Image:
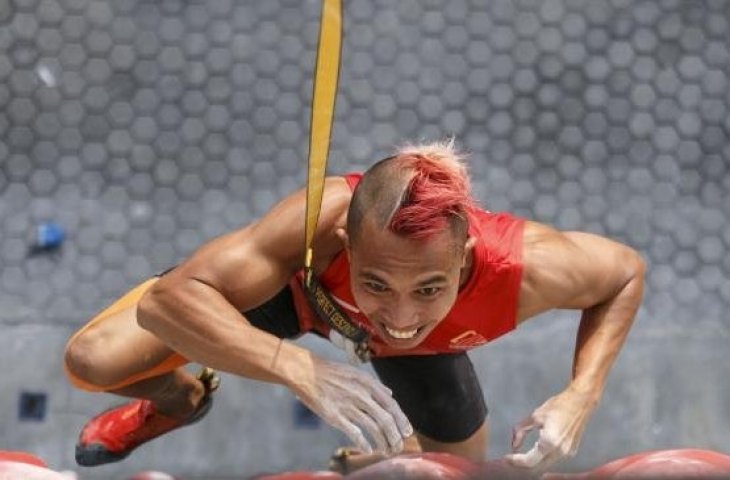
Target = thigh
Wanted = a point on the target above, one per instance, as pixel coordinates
(112, 347)
(440, 394)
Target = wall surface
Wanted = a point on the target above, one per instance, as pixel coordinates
(144, 128)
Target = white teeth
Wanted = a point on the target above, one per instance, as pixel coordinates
(403, 334)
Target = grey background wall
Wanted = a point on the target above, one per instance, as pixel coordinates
(144, 128)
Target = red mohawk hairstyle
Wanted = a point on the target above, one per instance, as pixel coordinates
(418, 192)
(437, 194)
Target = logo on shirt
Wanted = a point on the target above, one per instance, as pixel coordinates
(468, 339)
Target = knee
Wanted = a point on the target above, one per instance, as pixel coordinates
(86, 362)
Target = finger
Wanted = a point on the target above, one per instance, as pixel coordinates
(522, 429)
(354, 433)
(548, 459)
(384, 396)
(391, 406)
(552, 451)
(361, 418)
(525, 460)
(543, 454)
(384, 420)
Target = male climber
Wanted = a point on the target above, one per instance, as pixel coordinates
(413, 262)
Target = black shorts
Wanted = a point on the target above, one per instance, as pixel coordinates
(440, 394)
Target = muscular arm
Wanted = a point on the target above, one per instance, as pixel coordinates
(195, 308)
(603, 278)
(605, 325)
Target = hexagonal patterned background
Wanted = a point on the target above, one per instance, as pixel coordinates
(145, 128)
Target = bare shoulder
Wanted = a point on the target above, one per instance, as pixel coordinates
(280, 232)
(571, 269)
(335, 204)
(271, 248)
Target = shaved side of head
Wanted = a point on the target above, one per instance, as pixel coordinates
(420, 191)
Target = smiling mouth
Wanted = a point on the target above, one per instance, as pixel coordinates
(403, 334)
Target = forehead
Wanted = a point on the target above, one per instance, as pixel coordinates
(379, 248)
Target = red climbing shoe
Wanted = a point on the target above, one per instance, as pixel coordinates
(112, 435)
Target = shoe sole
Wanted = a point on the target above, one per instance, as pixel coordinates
(96, 454)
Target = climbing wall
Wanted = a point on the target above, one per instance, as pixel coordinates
(132, 131)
